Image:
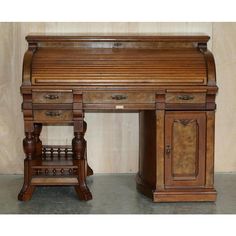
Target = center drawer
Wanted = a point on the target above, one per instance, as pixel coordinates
(118, 97)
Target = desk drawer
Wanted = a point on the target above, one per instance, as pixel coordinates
(185, 98)
(52, 97)
(53, 115)
(118, 97)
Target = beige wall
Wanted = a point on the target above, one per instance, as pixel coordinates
(224, 49)
(111, 148)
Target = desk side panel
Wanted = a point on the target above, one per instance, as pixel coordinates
(147, 154)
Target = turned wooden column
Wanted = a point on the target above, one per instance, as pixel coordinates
(79, 147)
(38, 142)
(29, 145)
(29, 149)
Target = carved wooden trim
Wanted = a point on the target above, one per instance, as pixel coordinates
(211, 70)
(27, 106)
(27, 61)
(210, 101)
(32, 39)
(185, 122)
(160, 99)
(202, 46)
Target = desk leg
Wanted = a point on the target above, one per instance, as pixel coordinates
(38, 142)
(29, 149)
(79, 150)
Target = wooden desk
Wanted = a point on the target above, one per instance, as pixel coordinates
(169, 80)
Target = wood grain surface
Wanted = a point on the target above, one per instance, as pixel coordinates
(103, 138)
(118, 65)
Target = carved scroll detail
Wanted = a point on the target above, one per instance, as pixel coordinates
(185, 121)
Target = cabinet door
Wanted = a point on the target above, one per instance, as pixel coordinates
(185, 143)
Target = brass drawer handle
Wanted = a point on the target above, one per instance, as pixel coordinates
(51, 96)
(119, 97)
(52, 113)
(185, 97)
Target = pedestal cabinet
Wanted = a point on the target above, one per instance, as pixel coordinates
(168, 79)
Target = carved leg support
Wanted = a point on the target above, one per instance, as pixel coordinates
(89, 169)
(29, 149)
(79, 151)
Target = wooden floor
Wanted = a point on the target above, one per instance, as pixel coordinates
(113, 194)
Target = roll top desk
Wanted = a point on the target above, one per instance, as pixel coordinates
(170, 80)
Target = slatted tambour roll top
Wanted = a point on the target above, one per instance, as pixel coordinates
(118, 60)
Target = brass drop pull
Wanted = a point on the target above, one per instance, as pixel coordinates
(185, 97)
(51, 96)
(168, 149)
(118, 97)
(52, 113)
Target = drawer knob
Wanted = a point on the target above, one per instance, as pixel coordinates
(168, 150)
(52, 113)
(51, 96)
(185, 97)
(118, 97)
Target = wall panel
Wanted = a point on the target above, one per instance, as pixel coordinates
(224, 49)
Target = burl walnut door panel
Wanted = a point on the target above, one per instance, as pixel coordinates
(185, 149)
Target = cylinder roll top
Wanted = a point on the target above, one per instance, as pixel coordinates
(119, 60)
